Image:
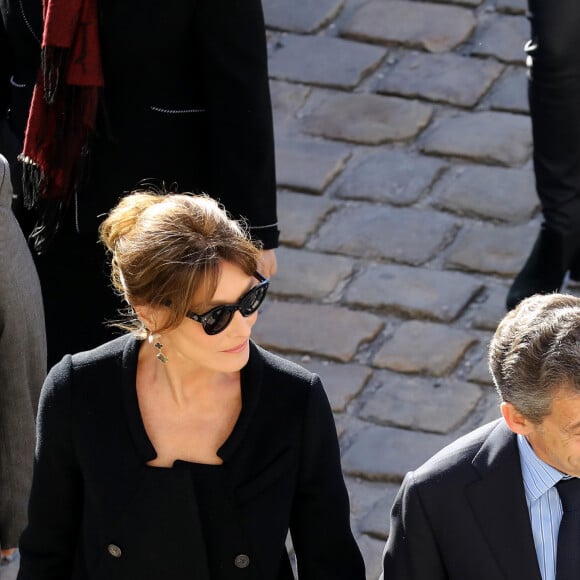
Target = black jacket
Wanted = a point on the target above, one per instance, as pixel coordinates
(98, 511)
(463, 514)
(186, 103)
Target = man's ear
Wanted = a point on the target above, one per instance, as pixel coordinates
(515, 420)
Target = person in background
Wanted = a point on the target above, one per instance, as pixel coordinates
(554, 97)
(117, 80)
(182, 449)
(504, 500)
(22, 368)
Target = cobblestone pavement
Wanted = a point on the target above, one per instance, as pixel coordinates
(407, 205)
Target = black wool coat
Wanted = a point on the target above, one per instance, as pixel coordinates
(98, 512)
(186, 103)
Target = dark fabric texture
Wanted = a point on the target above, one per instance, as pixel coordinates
(568, 554)
(554, 96)
(93, 491)
(463, 514)
(186, 103)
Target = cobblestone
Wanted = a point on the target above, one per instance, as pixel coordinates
(413, 292)
(489, 192)
(367, 119)
(388, 176)
(502, 138)
(445, 78)
(420, 403)
(308, 165)
(310, 17)
(407, 204)
(510, 93)
(300, 216)
(424, 347)
(502, 37)
(433, 27)
(378, 232)
(386, 453)
(323, 61)
(497, 250)
(309, 275)
(319, 329)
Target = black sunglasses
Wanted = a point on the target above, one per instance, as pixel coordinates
(217, 319)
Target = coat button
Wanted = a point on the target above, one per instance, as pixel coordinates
(114, 550)
(241, 561)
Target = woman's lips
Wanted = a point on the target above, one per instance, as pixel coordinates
(238, 348)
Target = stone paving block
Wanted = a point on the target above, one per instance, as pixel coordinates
(377, 521)
(316, 329)
(512, 6)
(300, 15)
(480, 373)
(364, 494)
(503, 37)
(473, 3)
(424, 347)
(308, 165)
(490, 409)
(386, 453)
(371, 550)
(367, 119)
(299, 215)
(489, 313)
(431, 27)
(447, 78)
(510, 92)
(484, 137)
(413, 292)
(378, 232)
(287, 98)
(322, 60)
(419, 403)
(309, 275)
(489, 192)
(342, 382)
(492, 249)
(386, 175)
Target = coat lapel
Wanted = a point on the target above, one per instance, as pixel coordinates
(499, 505)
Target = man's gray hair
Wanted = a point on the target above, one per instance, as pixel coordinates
(535, 351)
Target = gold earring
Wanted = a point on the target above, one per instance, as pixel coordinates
(159, 347)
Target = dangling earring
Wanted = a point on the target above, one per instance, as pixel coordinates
(159, 347)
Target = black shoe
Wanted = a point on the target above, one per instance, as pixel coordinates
(546, 266)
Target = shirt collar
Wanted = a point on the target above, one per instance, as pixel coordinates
(538, 476)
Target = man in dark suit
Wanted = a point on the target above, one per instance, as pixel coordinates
(487, 507)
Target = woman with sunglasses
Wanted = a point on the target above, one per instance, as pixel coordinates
(183, 450)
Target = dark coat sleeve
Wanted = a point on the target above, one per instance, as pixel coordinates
(49, 542)
(240, 134)
(411, 556)
(320, 520)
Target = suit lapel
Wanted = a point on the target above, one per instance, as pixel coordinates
(499, 504)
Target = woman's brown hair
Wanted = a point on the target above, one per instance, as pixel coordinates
(167, 249)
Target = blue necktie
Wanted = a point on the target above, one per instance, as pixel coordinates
(568, 554)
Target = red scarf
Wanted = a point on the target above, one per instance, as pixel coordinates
(63, 110)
